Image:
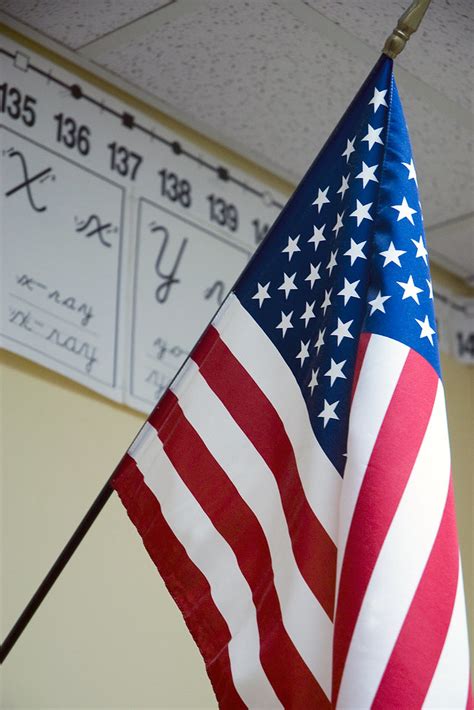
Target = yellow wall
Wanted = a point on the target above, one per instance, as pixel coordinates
(108, 634)
(459, 386)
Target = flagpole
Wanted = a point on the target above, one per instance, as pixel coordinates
(62, 560)
(406, 26)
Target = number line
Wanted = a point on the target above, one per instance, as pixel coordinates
(222, 237)
(150, 132)
(72, 89)
(449, 301)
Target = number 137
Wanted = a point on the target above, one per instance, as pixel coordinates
(124, 161)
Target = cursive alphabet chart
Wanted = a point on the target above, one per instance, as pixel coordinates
(62, 237)
(119, 240)
(177, 263)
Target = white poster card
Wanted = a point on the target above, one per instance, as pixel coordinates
(61, 266)
(119, 241)
(463, 330)
(182, 273)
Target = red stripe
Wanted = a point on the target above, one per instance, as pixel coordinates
(315, 552)
(291, 679)
(162, 410)
(388, 471)
(361, 350)
(187, 585)
(469, 702)
(416, 653)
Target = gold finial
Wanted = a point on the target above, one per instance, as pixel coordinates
(406, 26)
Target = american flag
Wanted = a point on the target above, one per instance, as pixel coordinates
(293, 485)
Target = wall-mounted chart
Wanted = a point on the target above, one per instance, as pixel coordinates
(119, 241)
(62, 226)
(182, 273)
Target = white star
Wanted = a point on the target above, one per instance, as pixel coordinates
(367, 174)
(313, 274)
(376, 304)
(378, 99)
(430, 288)
(349, 290)
(355, 252)
(262, 294)
(361, 212)
(292, 247)
(308, 314)
(288, 284)
(426, 329)
(420, 249)
(335, 371)
(373, 136)
(410, 290)
(404, 211)
(321, 198)
(349, 149)
(342, 330)
(318, 236)
(392, 255)
(411, 171)
(327, 300)
(344, 186)
(303, 353)
(338, 224)
(329, 412)
(320, 341)
(285, 323)
(332, 262)
(314, 380)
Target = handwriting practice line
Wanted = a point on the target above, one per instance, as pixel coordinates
(53, 315)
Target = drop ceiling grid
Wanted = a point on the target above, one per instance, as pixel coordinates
(264, 80)
(75, 23)
(442, 152)
(442, 54)
(254, 73)
(452, 246)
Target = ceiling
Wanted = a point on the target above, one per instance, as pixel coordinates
(271, 78)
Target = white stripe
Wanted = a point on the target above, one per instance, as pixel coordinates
(216, 560)
(257, 354)
(303, 617)
(400, 565)
(383, 362)
(450, 684)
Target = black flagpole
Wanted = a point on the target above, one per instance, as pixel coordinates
(62, 560)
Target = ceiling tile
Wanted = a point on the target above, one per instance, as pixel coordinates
(443, 155)
(452, 246)
(76, 23)
(263, 79)
(441, 53)
(274, 86)
(250, 71)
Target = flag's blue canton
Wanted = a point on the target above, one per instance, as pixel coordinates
(347, 254)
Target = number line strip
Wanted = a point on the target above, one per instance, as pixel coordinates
(193, 223)
(222, 173)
